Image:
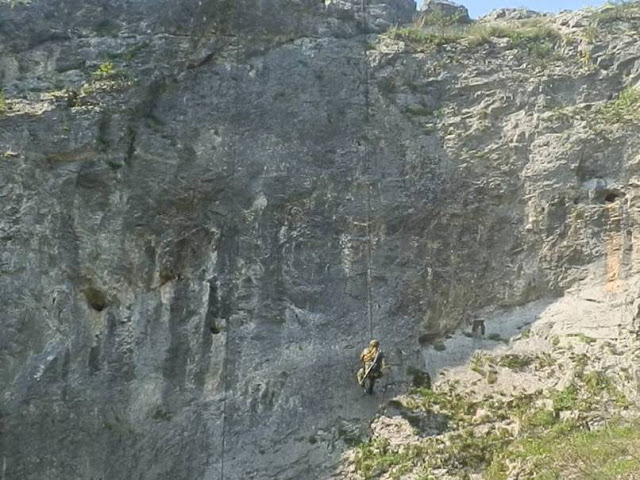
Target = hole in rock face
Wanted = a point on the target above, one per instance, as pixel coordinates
(419, 378)
(96, 299)
(427, 338)
(167, 275)
(611, 197)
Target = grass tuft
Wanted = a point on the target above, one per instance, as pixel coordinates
(534, 37)
(420, 39)
(515, 362)
(531, 36)
(624, 109)
(570, 452)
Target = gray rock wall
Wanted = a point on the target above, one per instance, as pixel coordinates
(202, 202)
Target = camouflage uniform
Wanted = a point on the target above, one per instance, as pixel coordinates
(367, 357)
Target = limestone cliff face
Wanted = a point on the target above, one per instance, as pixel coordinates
(209, 207)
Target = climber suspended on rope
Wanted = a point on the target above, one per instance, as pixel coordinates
(374, 364)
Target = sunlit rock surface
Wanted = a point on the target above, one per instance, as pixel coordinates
(208, 208)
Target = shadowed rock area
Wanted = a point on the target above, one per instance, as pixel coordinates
(208, 208)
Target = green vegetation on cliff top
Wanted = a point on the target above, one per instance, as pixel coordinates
(533, 36)
(537, 36)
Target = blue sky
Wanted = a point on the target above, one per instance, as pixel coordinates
(478, 8)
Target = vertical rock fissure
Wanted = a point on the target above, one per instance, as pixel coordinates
(613, 247)
(213, 307)
(225, 310)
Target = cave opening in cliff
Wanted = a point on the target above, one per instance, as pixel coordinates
(96, 299)
(611, 197)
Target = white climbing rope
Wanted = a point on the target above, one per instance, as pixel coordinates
(367, 165)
